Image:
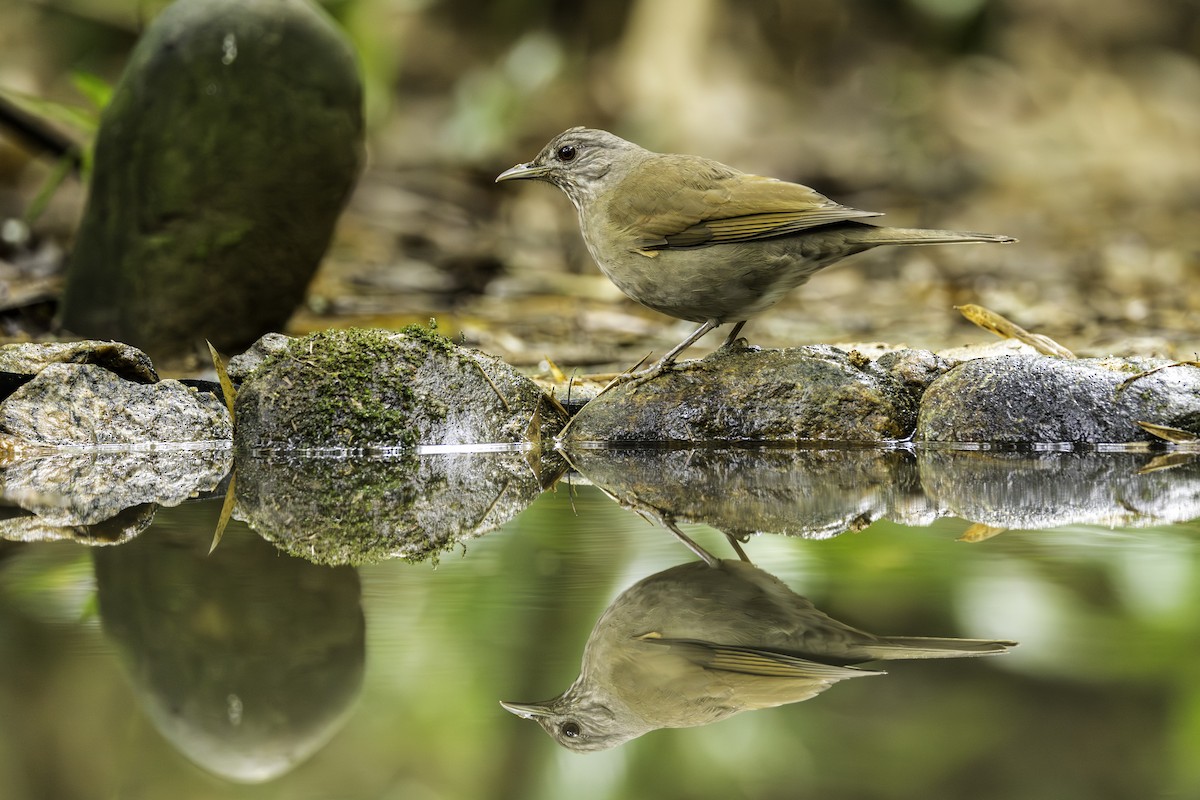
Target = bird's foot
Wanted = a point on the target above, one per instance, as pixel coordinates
(632, 376)
(733, 345)
(637, 376)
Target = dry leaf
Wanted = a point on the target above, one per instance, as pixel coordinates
(556, 374)
(1141, 375)
(991, 321)
(222, 377)
(1167, 433)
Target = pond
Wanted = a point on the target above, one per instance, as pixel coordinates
(145, 667)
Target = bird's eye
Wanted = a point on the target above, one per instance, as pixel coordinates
(570, 729)
(566, 152)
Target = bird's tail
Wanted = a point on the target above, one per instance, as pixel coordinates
(897, 647)
(875, 235)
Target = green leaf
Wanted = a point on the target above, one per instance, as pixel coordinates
(97, 90)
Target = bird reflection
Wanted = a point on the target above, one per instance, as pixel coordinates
(700, 642)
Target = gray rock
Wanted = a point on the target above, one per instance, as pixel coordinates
(766, 395)
(231, 143)
(241, 365)
(30, 358)
(86, 405)
(1029, 399)
(371, 389)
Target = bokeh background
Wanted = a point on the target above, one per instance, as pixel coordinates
(1072, 125)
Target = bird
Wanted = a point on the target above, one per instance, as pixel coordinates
(698, 240)
(700, 642)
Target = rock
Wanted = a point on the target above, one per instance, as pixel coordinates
(369, 389)
(1031, 399)
(231, 143)
(766, 395)
(125, 361)
(85, 405)
(408, 397)
(241, 365)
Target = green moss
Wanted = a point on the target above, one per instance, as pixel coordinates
(361, 388)
(432, 338)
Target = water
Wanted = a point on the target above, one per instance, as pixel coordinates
(151, 669)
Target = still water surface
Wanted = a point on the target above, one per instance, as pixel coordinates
(151, 669)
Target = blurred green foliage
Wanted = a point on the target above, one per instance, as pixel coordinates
(83, 119)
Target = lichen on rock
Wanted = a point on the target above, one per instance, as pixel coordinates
(368, 389)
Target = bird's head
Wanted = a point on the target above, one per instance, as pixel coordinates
(581, 162)
(580, 721)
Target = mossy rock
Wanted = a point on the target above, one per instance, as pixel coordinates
(363, 389)
(229, 148)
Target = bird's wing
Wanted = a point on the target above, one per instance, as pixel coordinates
(752, 661)
(684, 201)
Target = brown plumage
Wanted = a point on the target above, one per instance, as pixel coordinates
(701, 241)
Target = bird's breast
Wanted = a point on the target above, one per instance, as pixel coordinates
(728, 282)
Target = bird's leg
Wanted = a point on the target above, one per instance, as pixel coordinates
(664, 363)
(737, 547)
(733, 335)
(688, 542)
(674, 352)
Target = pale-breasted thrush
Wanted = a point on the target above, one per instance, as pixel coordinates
(697, 240)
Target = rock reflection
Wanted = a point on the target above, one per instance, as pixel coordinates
(339, 511)
(695, 644)
(810, 492)
(105, 497)
(1051, 489)
(822, 492)
(353, 510)
(246, 662)
(19, 525)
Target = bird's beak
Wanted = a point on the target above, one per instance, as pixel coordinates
(525, 710)
(521, 171)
